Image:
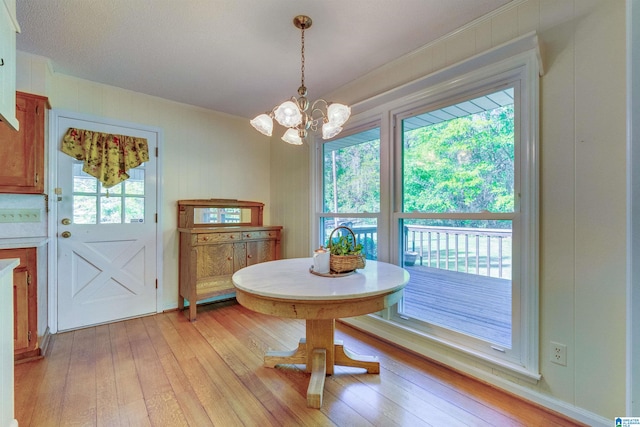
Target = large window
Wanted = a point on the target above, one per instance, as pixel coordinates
(351, 187)
(458, 185)
(454, 201)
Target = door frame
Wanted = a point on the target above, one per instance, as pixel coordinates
(52, 177)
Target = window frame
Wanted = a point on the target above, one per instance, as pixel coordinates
(516, 61)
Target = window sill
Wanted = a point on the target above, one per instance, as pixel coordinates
(470, 362)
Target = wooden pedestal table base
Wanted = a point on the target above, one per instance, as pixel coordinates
(285, 288)
(320, 357)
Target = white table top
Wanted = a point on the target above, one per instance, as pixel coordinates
(291, 279)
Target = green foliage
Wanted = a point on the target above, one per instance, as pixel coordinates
(461, 165)
(344, 245)
(356, 187)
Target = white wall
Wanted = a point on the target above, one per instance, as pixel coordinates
(205, 154)
(582, 239)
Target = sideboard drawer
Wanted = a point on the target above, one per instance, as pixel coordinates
(218, 237)
(260, 234)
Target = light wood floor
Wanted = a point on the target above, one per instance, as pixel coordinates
(164, 371)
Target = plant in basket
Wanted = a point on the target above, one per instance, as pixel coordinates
(346, 253)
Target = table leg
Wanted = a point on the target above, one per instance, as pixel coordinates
(318, 374)
(320, 354)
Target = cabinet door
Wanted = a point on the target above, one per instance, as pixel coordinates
(261, 251)
(20, 310)
(214, 260)
(25, 303)
(22, 152)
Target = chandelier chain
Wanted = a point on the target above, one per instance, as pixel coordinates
(302, 55)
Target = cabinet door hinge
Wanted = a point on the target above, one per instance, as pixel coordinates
(156, 283)
(156, 218)
(156, 151)
(28, 279)
(37, 178)
(29, 336)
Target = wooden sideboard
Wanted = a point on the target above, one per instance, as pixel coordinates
(217, 238)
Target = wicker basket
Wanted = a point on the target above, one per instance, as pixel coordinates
(344, 263)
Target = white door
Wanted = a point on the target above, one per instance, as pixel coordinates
(106, 238)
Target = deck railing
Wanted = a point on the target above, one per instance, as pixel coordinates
(481, 251)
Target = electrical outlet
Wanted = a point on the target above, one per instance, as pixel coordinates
(558, 353)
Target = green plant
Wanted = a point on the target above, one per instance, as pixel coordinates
(344, 245)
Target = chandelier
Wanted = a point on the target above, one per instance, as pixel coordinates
(298, 115)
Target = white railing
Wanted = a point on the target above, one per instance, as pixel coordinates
(481, 251)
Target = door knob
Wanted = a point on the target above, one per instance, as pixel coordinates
(66, 221)
(66, 234)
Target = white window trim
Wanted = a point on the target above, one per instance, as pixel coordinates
(521, 54)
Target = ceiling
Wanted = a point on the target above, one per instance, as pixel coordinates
(240, 57)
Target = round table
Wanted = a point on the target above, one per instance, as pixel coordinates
(286, 288)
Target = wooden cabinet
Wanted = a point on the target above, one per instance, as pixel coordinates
(217, 238)
(22, 152)
(8, 68)
(25, 302)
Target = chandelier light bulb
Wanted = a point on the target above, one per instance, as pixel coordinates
(291, 136)
(338, 114)
(288, 114)
(329, 130)
(263, 124)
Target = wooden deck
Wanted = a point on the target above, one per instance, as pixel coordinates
(479, 306)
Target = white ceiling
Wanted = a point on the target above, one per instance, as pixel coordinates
(240, 57)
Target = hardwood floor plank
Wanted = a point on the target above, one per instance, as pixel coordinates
(265, 384)
(209, 394)
(160, 400)
(31, 375)
(107, 411)
(243, 402)
(49, 396)
(163, 370)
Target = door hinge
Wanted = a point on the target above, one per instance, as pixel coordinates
(156, 151)
(156, 218)
(28, 279)
(37, 178)
(156, 283)
(29, 336)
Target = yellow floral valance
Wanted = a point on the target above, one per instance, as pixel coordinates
(106, 156)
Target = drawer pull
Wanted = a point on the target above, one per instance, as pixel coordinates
(249, 256)
(228, 258)
(205, 238)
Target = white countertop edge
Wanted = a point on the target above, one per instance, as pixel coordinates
(7, 265)
(23, 242)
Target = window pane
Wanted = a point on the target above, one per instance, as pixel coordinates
(84, 209)
(364, 229)
(461, 158)
(460, 276)
(82, 181)
(134, 210)
(115, 190)
(110, 210)
(135, 183)
(351, 168)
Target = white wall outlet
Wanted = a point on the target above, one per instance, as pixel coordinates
(558, 353)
